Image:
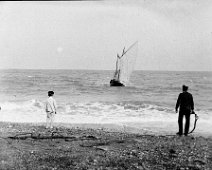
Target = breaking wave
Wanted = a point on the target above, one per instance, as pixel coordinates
(93, 111)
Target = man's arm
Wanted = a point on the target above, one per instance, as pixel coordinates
(178, 103)
(55, 105)
(46, 106)
(192, 103)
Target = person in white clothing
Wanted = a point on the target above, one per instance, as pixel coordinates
(51, 110)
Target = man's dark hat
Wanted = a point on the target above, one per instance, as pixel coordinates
(185, 88)
(50, 92)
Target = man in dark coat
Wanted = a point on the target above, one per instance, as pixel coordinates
(186, 104)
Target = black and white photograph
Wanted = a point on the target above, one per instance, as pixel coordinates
(106, 85)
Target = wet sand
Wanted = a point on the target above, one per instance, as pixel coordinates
(87, 146)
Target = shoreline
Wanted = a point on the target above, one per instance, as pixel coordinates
(126, 127)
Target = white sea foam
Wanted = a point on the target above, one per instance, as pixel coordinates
(98, 113)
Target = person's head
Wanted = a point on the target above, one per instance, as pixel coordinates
(50, 93)
(185, 88)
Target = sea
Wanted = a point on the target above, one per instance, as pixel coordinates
(85, 97)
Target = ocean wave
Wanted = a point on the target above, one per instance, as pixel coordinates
(121, 109)
(31, 105)
(93, 112)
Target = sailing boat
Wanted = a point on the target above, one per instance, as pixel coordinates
(124, 66)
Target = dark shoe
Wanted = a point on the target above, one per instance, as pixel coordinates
(186, 134)
(179, 134)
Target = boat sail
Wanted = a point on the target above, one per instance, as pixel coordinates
(124, 66)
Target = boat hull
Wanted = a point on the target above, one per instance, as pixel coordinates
(115, 83)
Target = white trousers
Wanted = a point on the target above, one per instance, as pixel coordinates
(50, 119)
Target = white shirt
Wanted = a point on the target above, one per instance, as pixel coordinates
(51, 105)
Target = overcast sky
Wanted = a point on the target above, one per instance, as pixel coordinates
(172, 34)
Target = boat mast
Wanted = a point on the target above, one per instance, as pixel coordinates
(128, 48)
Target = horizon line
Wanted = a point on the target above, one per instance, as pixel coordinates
(80, 69)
